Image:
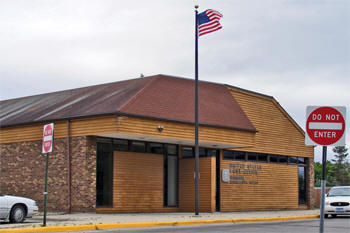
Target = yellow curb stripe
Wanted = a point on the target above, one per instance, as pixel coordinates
(154, 224)
(137, 224)
(51, 229)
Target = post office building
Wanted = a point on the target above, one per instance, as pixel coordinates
(128, 146)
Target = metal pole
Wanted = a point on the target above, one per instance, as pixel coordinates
(196, 119)
(323, 187)
(45, 189)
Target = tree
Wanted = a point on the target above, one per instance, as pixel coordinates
(341, 168)
(330, 179)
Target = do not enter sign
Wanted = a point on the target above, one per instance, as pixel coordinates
(325, 126)
(47, 138)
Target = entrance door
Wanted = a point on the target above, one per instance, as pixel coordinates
(170, 176)
(104, 174)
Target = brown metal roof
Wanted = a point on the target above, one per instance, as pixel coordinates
(173, 99)
(160, 97)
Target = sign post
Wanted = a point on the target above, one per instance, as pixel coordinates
(46, 149)
(325, 126)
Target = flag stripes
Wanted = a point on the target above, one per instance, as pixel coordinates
(209, 22)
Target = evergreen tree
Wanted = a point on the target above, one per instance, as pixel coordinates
(341, 168)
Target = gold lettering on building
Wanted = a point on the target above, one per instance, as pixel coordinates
(239, 173)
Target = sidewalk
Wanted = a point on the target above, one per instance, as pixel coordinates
(85, 221)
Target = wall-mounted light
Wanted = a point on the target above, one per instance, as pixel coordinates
(160, 128)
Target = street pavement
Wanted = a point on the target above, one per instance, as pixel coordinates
(140, 219)
(337, 225)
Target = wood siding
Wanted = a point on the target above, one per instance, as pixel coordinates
(277, 188)
(206, 184)
(138, 183)
(25, 133)
(174, 130)
(79, 127)
(277, 132)
(128, 125)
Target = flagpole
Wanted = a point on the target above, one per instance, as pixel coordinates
(196, 177)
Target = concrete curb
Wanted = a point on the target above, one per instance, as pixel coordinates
(154, 224)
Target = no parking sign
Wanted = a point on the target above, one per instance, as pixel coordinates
(46, 149)
(47, 138)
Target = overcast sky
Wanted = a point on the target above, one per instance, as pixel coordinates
(297, 51)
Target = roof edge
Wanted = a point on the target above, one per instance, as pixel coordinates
(187, 122)
(249, 91)
(71, 89)
(127, 115)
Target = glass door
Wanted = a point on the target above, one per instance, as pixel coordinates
(104, 174)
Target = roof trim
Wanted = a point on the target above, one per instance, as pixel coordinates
(249, 91)
(118, 113)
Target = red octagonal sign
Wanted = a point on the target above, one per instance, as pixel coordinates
(47, 138)
(325, 126)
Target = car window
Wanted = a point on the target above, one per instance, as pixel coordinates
(339, 192)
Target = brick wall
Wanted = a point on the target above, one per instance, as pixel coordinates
(22, 173)
(83, 172)
(317, 196)
(311, 200)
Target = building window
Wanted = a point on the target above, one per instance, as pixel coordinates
(212, 152)
(138, 146)
(120, 144)
(283, 159)
(302, 184)
(292, 160)
(187, 152)
(202, 152)
(252, 156)
(234, 155)
(171, 149)
(301, 160)
(240, 155)
(228, 155)
(262, 157)
(155, 148)
(273, 158)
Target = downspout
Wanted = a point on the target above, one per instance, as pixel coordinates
(69, 168)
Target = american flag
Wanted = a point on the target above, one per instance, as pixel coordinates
(208, 21)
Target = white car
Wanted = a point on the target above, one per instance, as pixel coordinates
(337, 201)
(16, 209)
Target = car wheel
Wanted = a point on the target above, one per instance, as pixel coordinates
(334, 215)
(326, 216)
(17, 214)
